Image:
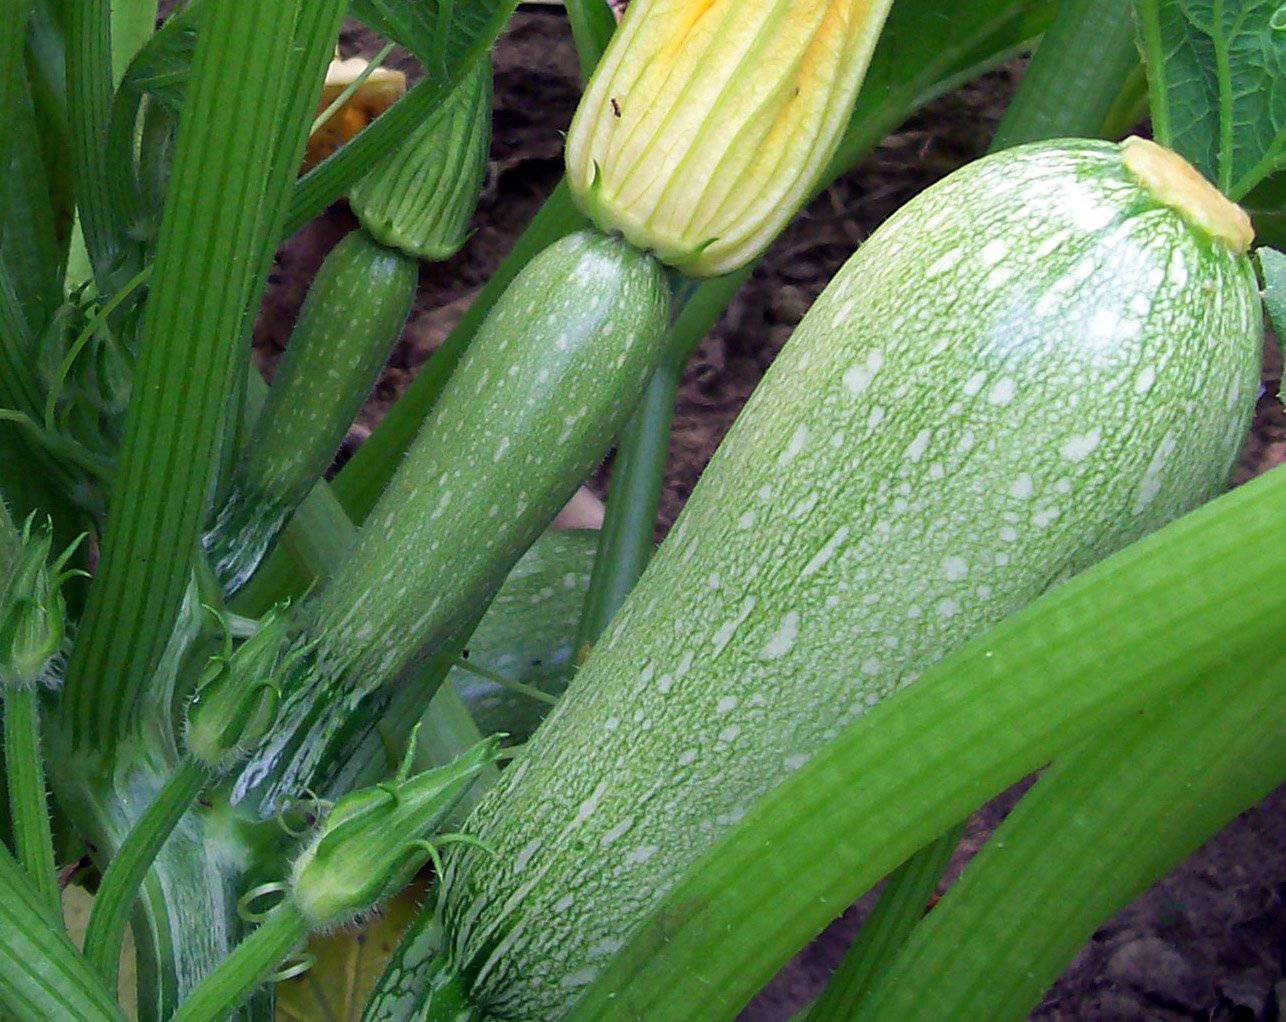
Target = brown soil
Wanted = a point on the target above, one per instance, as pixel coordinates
(1208, 941)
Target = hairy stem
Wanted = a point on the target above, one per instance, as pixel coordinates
(28, 796)
(253, 961)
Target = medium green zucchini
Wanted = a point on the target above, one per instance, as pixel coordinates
(1037, 361)
(532, 407)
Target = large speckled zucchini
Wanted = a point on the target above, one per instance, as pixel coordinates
(1040, 359)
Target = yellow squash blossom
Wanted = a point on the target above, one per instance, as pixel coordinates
(383, 87)
(707, 122)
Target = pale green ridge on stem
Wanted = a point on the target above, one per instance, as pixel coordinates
(1094, 361)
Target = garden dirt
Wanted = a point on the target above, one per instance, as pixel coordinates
(1206, 942)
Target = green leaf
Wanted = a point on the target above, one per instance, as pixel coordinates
(1273, 264)
(528, 634)
(1104, 823)
(1217, 71)
(1197, 600)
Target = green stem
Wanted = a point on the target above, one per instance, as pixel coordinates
(350, 90)
(521, 688)
(901, 906)
(1066, 91)
(124, 876)
(625, 543)
(1130, 105)
(638, 473)
(89, 102)
(1103, 824)
(43, 976)
(253, 961)
(28, 796)
(216, 227)
(1149, 15)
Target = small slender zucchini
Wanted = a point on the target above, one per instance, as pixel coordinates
(1040, 359)
(352, 317)
(414, 204)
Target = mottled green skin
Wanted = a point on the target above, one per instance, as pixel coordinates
(1028, 367)
(532, 407)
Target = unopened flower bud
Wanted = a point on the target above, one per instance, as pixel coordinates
(237, 698)
(32, 611)
(376, 839)
(707, 123)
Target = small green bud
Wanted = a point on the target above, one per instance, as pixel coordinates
(237, 698)
(376, 839)
(421, 197)
(32, 611)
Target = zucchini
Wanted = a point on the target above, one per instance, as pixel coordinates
(351, 319)
(531, 409)
(1040, 359)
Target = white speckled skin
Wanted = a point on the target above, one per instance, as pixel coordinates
(1028, 367)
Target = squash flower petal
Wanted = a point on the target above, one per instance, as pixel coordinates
(708, 121)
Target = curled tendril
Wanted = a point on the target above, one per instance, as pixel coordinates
(244, 903)
(309, 805)
(295, 965)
